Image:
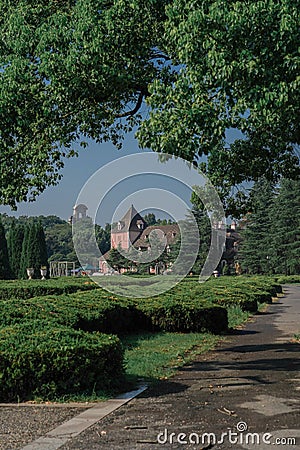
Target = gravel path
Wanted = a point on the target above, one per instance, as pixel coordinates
(20, 425)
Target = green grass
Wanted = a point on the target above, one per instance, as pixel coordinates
(236, 316)
(154, 356)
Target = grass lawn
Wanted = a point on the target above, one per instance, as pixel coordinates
(156, 356)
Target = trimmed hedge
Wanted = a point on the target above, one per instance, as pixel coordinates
(91, 312)
(51, 345)
(23, 289)
(86, 311)
(285, 279)
(38, 360)
(185, 317)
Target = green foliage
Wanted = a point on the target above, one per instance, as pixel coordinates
(48, 361)
(22, 289)
(35, 251)
(183, 316)
(58, 238)
(77, 69)
(116, 259)
(256, 238)
(271, 240)
(15, 242)
(150, 219)
(5, 271)
(52, 345)
(288, 279)
(285, 229)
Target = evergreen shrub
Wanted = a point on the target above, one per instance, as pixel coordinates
(49, 361)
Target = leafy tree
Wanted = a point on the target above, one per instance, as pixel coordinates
(285, 229)
(116, 260)
(103, 237)
(59, 240)
(15, 243)
(5, 272)
(150, 219)
(77, 69)
(257, 241)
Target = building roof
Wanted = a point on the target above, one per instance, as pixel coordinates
(171, 232)
(129, 221)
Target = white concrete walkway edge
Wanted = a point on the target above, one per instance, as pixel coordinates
(56, 438)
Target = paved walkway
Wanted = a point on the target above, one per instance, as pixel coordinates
(246, 394)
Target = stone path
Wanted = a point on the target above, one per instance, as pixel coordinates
(243, 395)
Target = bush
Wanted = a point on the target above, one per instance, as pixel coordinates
(186, 317)
(34, 288)
(38, 360)
(285, 279)
(84, 311)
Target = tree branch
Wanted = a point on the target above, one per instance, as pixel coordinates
(133, 111)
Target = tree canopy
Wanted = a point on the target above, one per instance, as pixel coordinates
(181, 71)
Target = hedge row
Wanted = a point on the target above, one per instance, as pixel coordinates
(285, 279)
(38, 359)
(54, 344)
(183, 316)
(24, 289)
(91, 311)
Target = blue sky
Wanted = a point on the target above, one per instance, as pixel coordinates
(59, 200)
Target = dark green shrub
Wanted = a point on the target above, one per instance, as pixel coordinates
(34, 288)
(38, 360)
(285, 279)
(180, 316)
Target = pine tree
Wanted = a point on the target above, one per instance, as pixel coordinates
(24, 254)
(15, 242)
(257, 241)
(5, 272)
(36, 249)
(42, 256)
(285, 230)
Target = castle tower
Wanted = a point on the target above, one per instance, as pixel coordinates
(128, 229)
(79, 212)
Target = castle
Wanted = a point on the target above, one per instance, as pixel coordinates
(132, 230)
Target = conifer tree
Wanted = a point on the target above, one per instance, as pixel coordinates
(15, 242)
(24, 254)
(5, 272)
(116, 260)
(285, 229)
(256, 247)
(37, 250)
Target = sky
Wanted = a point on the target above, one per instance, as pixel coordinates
(59, 200)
